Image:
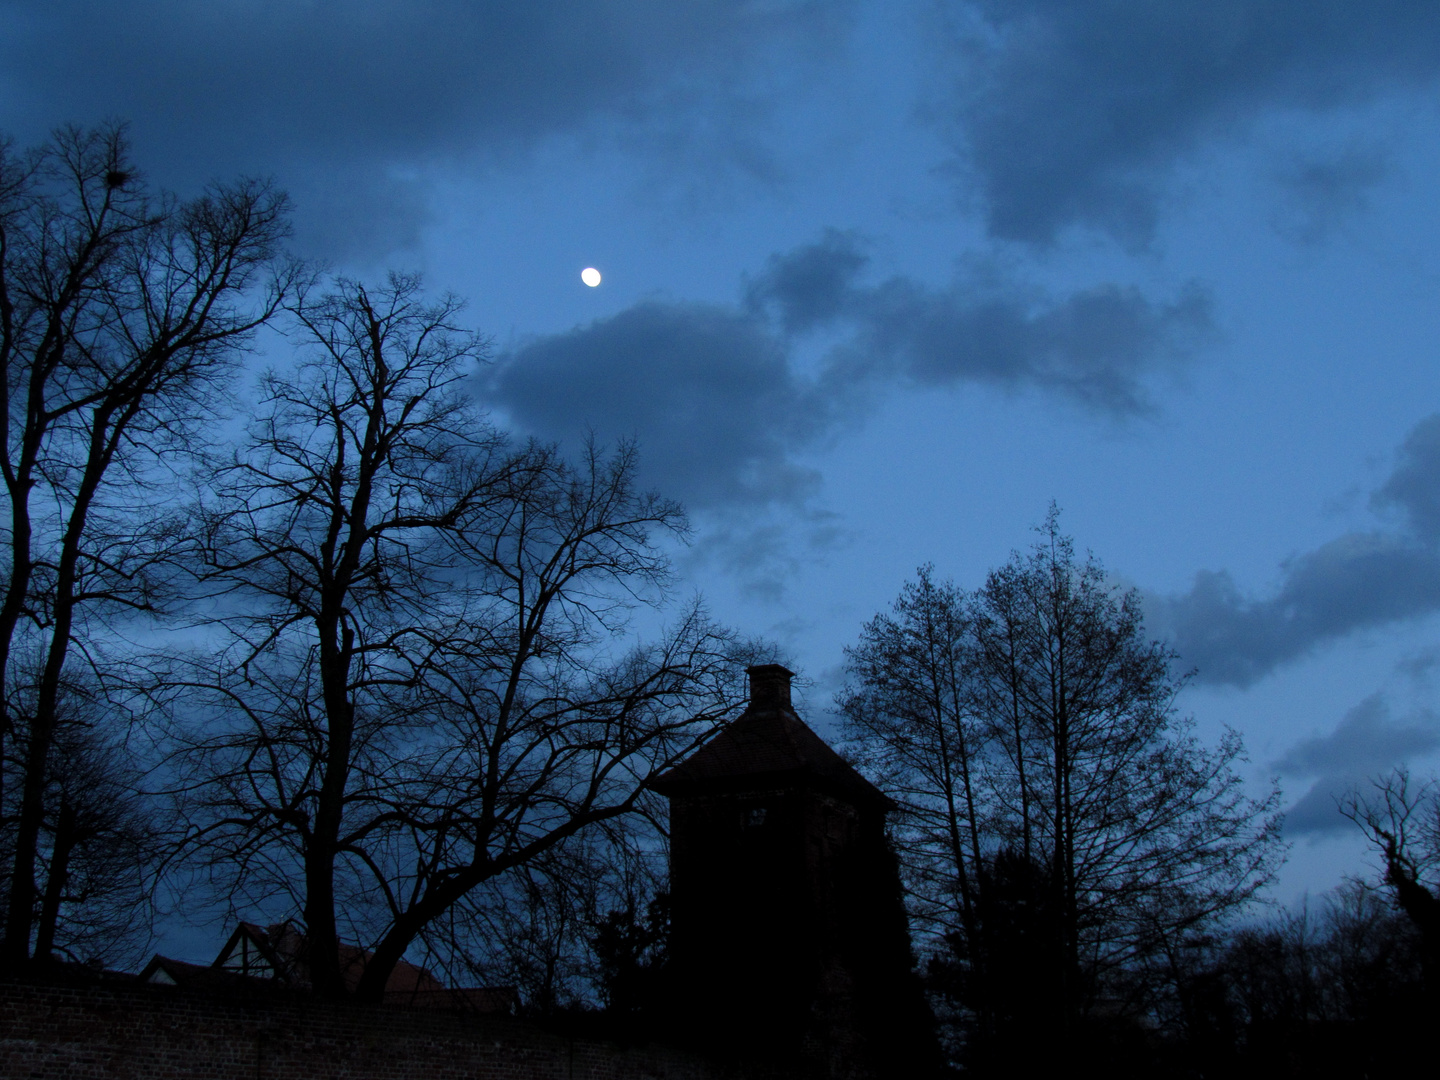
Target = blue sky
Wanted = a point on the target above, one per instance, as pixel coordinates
(881, 280)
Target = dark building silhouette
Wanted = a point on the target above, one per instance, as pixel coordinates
(788, 934)
(276, 959)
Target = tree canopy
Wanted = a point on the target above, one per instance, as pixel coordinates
(1060, 822)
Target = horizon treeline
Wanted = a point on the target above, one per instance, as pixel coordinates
(1084, 874)
(323, 643)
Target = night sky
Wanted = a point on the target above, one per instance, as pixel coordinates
(881, 280)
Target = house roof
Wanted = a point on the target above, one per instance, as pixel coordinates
(249, 951)
(284, 951)
(768, 741)
(277, 956)
(163, 971)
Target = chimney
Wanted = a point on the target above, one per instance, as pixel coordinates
(769, 687)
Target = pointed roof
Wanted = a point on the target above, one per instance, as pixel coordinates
(769, 741)
(276, 958)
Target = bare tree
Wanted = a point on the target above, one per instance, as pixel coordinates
(100, 841)
(121, 314)
(910, 714)
(1401, 819)
(1057, 746)
(1328, 988)
(549, 927)
(1140, 828)
(428, 684)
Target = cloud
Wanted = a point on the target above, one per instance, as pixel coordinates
(1315, 812)
(1419, 666)
(717, 401)
(1365, 742)
(1353, 583)
(345, 100)
(763, 552)
(1071, 113)
(1414, 487)
(813, 285)
(1321, 191)
(1356, 582)
(1099, 346)
(707, 390)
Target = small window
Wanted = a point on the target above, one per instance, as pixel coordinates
(754, 817)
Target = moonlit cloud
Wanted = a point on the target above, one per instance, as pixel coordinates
(713, 395)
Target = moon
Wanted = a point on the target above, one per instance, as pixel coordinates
(590, 276)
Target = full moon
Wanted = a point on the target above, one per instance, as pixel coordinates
(590, 276)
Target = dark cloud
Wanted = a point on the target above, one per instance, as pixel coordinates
(1321, 192)
(341, 100)
(1353, 583)
(1099, 346)
(713, 393)
(1317, 812)
(1070, 112)
(708, 391)
(1414, 487)
(812, 286)
(1365, 742)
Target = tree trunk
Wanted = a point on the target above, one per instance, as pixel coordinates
(20, 919)
(324, 840)
(56, 878)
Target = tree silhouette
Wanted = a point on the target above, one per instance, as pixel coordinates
(121, 317)
(1048, 785)
(1402, 820)
(426, 685)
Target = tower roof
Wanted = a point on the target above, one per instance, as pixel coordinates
(768, 741)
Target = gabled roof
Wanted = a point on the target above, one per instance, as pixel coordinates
(163, 971)
(251, 952)
(277, 957)
(282, 952)
(768, 740)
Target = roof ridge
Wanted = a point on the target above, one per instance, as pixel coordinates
(768, 741)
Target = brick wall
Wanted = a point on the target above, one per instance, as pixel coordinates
(121, 1031)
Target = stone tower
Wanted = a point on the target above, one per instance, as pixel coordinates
(788, 936)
